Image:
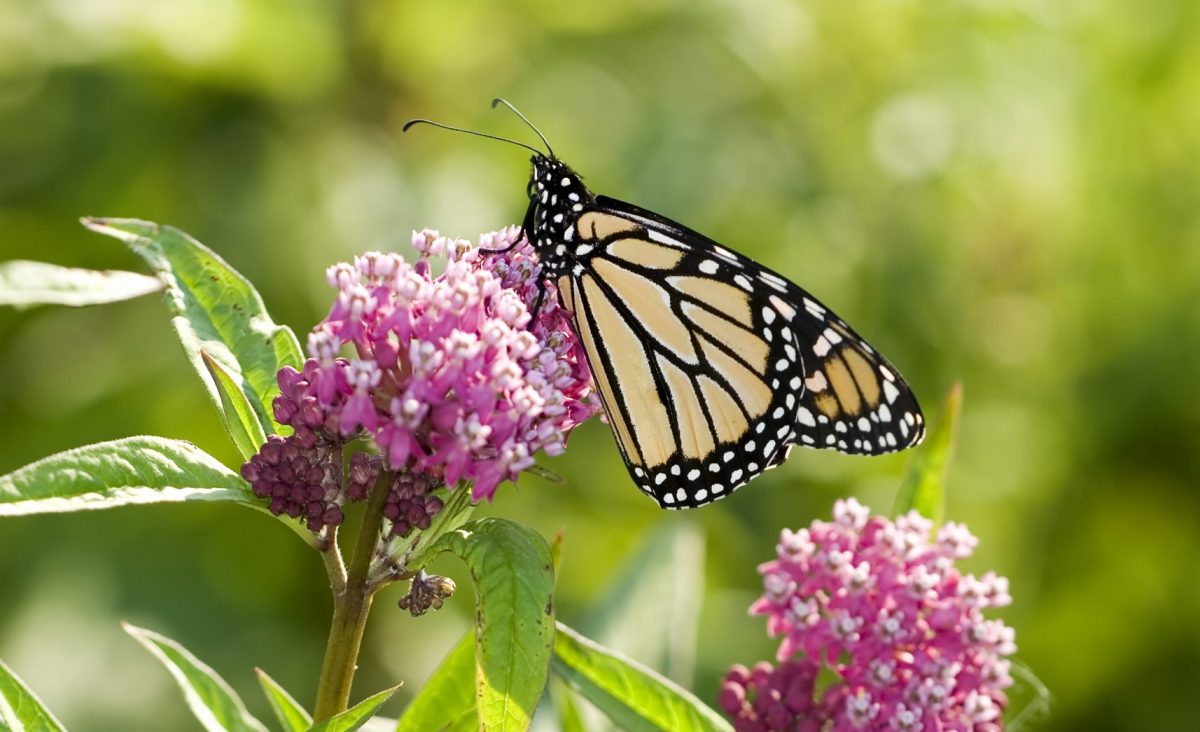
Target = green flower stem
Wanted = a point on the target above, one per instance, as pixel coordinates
(334, 566)
(350, 609)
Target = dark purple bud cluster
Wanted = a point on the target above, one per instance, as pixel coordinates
(299, 405)
(302, 482)
(300, 474)
(768, 698)
(410, 505)
(364, 470)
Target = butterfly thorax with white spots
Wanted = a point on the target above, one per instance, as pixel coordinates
(557, 196)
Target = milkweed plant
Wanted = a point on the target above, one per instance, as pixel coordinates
(432, 382)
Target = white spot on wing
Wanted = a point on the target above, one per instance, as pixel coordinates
(775, 282)
(725, 254)
(662, 238)
(787, 311)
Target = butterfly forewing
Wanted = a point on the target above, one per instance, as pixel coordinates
(710, 366)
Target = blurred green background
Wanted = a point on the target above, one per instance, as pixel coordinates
(1002, 191)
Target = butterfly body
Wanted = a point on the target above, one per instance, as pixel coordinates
(557, 198)
(710, 366)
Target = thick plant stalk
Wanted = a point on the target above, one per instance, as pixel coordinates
(351, 607)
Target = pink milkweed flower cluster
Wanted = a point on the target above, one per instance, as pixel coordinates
(881, 604)
(450, 375)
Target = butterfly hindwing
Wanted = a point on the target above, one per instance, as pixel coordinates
(711, 366)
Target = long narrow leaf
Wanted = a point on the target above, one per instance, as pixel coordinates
(211, 700)
(20, 709)
(291, 715)
(237, 413)
(447, 700)
(923, 488)
(214, 309)
(356, 716)
(514, 618)
(636, 698)
(133, 470)
(26, 284)
(569, 717)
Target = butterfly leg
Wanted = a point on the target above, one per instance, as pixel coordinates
(537, 304)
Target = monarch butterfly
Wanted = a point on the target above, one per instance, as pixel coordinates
(709, 365)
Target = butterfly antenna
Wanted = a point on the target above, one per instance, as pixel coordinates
(413, 122)
(505, 102)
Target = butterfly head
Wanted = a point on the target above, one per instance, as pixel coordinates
(557, 196)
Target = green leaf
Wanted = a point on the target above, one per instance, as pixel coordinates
(447, 700)
(514, 617)
(357, 715)
(214, 309)
(569, 718)
(129, 471)
(211, 699)
(652, 610)
(923, 487)
(26, 284)
(636, 698)
(291, 715)
(236, 411)
(20, 709)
